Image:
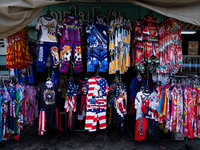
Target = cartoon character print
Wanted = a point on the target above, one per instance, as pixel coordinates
(49, 97)
(146, 109)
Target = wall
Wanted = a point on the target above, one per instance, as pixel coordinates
(87, 10)
(3, 69)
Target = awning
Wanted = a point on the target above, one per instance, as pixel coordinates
(17, 14)
(184, 10)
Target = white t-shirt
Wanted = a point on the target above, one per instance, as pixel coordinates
(153, 99)
(47, 28)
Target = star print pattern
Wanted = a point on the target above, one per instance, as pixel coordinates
(70, 101)
(92, 85)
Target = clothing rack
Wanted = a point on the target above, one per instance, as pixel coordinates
(6, 76)
(190, 76)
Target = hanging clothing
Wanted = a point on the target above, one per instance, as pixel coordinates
(137, 84)
(137, 45)
(47, 36)
(31, 104)
(70, 101)
(178, 108)
(170, 46)
(97, 44)
(48, 97)
(25, 75)
(117, 104)
(17, 53)
(47, 29)
(146, 105)
(119, 45)
(150, 41)
(70, 104)
(97, 90)
(14, 109)
(82, 93)
(69, 30)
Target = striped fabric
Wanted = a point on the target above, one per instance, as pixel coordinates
(70, 103)
(91, 119)
(97, 90)
(42, 122)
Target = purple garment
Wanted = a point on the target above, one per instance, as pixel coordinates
(31, 104)
(70, 25)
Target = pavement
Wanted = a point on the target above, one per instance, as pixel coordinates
(107, 139)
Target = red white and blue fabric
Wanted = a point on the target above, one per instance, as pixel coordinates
(97, 90)
(91, 88)
(70, 44)
(42, 122)
(91, 119)
(70, 101)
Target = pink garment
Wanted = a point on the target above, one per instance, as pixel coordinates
(31, 104)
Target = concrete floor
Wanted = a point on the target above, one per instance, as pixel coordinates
(100, 140)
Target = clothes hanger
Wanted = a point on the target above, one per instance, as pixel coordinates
(86, 76)
(48, 14)
(72, 13)
(120, 78)
(49, 81)
(96, 72)
(147, 90)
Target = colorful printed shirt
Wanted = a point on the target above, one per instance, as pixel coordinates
(48, 97)
(47, 29)
(146, 105)
(97, 31)
(70, 25)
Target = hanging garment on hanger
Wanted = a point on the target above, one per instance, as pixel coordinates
(70, 32)
(49, 102)
(137, 84)
(82, 98)
(12, 105)
(146, 105)
(138, 46)
(118, 97)
(31, 104)
(170, 46)
(70, 101)
(97, 90)
(150, 41)
(179, 110)
(119, 45)
(120, 104)
(17, 53)
(97, 44)
(47, 36)
(70, 104)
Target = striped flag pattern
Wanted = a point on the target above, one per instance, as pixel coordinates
(42, 122)
(96, 103)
